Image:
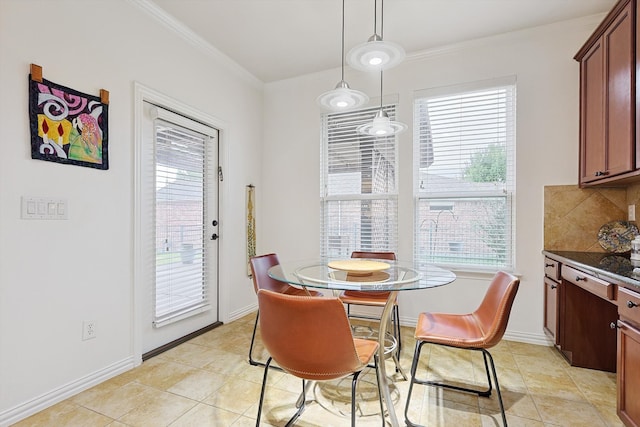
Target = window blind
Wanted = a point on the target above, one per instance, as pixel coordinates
(180, 213)
(359, 203)
(465, 175)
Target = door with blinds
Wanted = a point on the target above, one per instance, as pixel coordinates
(180, 245)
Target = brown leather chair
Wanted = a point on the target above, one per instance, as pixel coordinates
(260, 266)
(478, 331)
(375, 299)
(311, 339)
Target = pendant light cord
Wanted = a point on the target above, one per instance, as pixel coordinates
(380, 89)
(342, 55)
(375, 17)
(381, 19)
(381, 36)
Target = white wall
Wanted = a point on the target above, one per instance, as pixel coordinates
(54, 274)
(546, 153)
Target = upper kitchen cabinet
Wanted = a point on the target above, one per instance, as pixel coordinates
(608, 101)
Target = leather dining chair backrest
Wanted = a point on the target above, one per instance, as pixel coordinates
(493, 312)
(260, 265)
(311, 337)
(391, 256)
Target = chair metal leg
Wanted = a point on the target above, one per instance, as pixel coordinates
(376, 362)
(396, 316)
(252, 361)
(253, 339)
(264, 383)
(495, 379)
(488, 359)
(414, 365)
(301, 408)
(354, 383)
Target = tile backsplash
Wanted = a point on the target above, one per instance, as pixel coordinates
(573, 216)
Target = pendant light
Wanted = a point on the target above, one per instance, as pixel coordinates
(342, 98)
(381, 125)
(375, 53)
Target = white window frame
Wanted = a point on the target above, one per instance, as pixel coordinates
(439, 196)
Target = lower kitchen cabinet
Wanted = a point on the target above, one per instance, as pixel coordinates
(628, 370)
(588, 310)
(628, 374)
(551, 312)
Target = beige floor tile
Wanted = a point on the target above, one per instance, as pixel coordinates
(199, 384)
(568, 413)
(68, 414)
(203, 415)
(559, 385)
(162, 410)
(162, 373)
(596, 386)
(609, 415)
(236, 395)
(118, 402)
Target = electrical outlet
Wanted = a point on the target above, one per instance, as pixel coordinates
(632, 212)
(88, 330)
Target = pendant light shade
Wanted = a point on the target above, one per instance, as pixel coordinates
(381, 126)
(376, 53)
(342, 98)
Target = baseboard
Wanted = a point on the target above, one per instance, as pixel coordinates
(242, 312)
(181, 340)
(26, 409)
(528, 338)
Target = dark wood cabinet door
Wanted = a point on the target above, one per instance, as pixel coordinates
(551, 292)
(607, 100)
(628, 374)
(620, 99)
(592, 135)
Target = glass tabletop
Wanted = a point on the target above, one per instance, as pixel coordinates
(398, 276)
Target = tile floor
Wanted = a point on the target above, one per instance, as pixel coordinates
(209, 382)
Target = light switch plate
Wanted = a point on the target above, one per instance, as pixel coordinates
(632, 212)
(43, 208)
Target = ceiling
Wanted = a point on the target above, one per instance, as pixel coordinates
(278, 39)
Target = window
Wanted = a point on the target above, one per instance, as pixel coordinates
(464, 140)
(359, 200)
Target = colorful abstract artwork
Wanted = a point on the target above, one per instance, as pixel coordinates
(67, 126)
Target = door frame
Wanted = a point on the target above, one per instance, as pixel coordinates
(143, 93)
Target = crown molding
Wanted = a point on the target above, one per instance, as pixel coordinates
(191, 37)
(587, 23)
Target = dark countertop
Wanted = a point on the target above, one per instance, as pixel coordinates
(616, 268)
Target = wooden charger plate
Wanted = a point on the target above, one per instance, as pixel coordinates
(359, 267)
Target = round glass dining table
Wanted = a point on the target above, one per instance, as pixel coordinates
(390, 276)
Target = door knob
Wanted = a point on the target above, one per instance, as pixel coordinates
(214, 222)
(214, 236)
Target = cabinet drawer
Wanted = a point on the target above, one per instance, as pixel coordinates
(629, 304)
(551, 268)
(592, 284)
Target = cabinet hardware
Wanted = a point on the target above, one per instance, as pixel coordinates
(613, 325)
(554, 286)
(631, 304)
(549, 265)
(578, 278)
